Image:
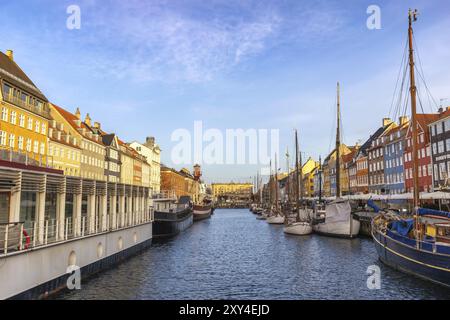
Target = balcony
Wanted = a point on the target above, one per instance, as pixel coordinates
(26, 158)
(43, 111)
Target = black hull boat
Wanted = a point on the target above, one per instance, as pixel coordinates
(171, 218)
(169, 224)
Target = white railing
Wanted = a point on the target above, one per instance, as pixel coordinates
(19, 236)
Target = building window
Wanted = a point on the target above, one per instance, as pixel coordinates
(28, 144)
(4, 114)
(13, 118)
(3, 138)
(442, 170)
(36, 147)
(20, 143)
(44, 129)
(22, 120)
(37, 127)
(12, 139)
(441, 146)
(30, 124)
(439, 128)
(42, 150)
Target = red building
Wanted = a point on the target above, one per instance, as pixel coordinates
(424, 154)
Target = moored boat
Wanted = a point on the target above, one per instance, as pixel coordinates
(339, 220)
(201, 212)
(171, 217)
(302, 224)
(418, 244)
(298, 228)
(424, 252)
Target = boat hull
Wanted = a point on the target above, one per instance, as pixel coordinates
(170, 224)
(430, 266)
(201, 212)
(298, 228)
(339, 229)
(19, 281)
(275, 220)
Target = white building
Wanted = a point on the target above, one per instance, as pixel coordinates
(151, 151)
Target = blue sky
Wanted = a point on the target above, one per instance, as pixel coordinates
(149, 67)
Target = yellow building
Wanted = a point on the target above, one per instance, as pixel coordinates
(308, 170)
(63, 149)
(219, 189)
(329, 171)
(24, 113)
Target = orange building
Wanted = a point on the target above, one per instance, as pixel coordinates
(181, 182)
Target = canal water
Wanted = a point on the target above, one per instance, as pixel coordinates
(234, 256)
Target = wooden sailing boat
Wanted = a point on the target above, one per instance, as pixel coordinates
(339, 221)
(298, 227)
(419, 245)
(276, 217)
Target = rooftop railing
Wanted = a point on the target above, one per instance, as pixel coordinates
(40, 110)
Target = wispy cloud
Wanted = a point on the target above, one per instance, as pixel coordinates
(166, 41)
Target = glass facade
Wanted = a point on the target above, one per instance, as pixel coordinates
(4, 207)
(28, 208)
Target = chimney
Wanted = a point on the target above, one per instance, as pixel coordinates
(10, 54)
(150, 141)
(78, 114)
(403, 120)
(386, 121)
(87, 119)
(97, 125)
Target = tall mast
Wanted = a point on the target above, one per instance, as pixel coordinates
(288, 186)
(276, 183)
(320, 179)
(302, 191)
(338, 144)
(270, 184)
(412, 16)
(297, 174)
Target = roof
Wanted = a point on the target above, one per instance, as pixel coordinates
(72, 120)
(442, 115)
(424, 120)
(11, 72)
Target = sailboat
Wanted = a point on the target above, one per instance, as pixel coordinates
(300, 226)
(275, 217)
(339, 221)
(419, 245)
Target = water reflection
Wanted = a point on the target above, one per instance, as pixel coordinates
(234, 256)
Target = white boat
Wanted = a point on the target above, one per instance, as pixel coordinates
(262, 216)
(301, 225)
(298, 228)
(339, 221)
(276, 219)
